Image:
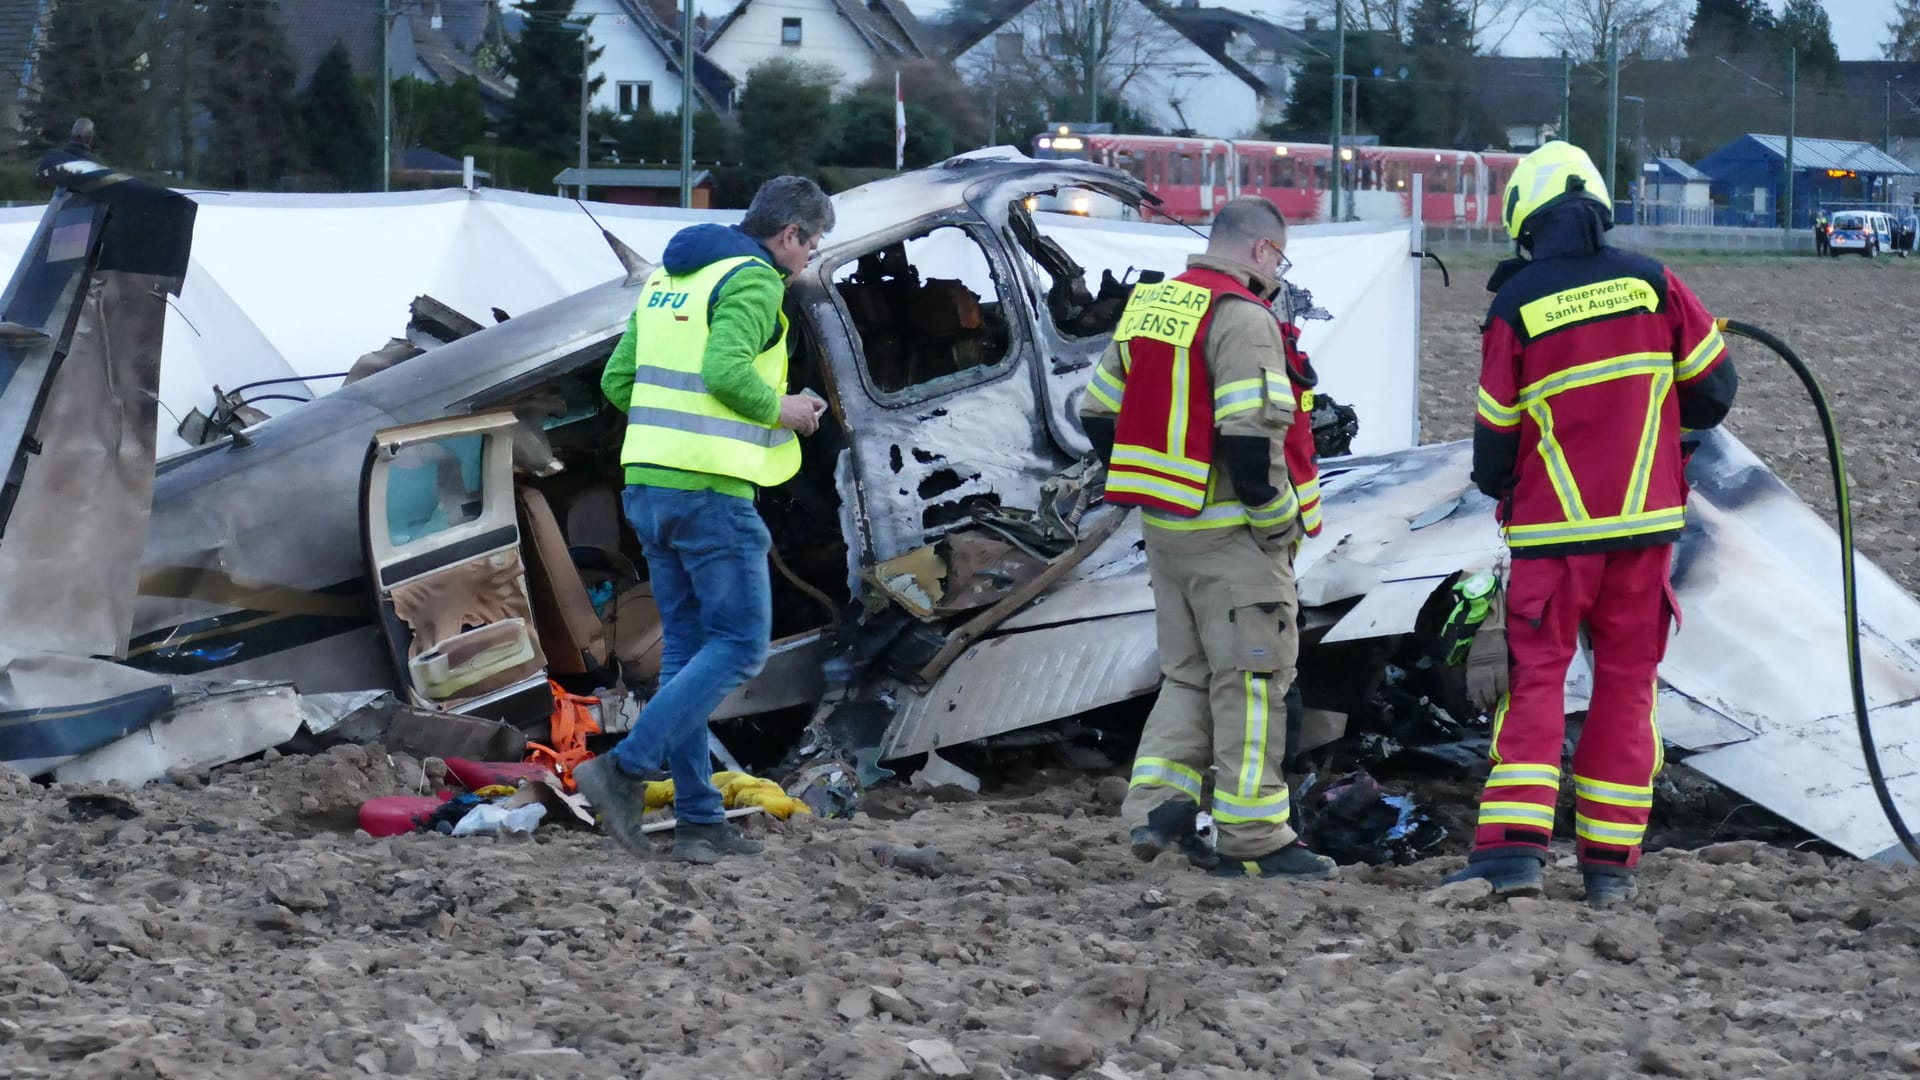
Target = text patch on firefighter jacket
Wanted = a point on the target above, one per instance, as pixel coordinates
(1590, 365)
(1183, 411)
(1163, 441)
(672, 420)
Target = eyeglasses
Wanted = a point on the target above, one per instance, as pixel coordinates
(1280, 269)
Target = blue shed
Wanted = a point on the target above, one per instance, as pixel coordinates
(1749, 173)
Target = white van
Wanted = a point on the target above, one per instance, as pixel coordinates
(1868, 232)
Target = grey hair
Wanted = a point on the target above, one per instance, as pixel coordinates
(1244, 220)
(784, 201)
(82, 132)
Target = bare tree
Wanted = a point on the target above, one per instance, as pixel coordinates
(1069, 46)
(1386, 16)
(1583, 27)
(1494, 21)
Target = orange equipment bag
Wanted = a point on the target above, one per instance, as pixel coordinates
(566, 745)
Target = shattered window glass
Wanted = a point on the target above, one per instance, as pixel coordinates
(927, 308)
(432, 487)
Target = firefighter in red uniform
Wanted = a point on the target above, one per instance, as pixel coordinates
(1200, 409)
(1594, 363)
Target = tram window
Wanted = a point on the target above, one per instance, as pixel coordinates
(1186, 172)
(1469, 178)
(1131, 163)
(1440, 177)
(1246, 172)
(1320, 170)
(1283, 172)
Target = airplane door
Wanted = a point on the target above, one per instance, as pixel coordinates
(443, 544)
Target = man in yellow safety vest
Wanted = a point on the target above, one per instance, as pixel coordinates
(702, 376)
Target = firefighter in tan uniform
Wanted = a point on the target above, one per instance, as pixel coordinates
(1198, 407)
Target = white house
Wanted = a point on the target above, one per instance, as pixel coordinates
(854, 37)
(1209, 71)
(639, 63)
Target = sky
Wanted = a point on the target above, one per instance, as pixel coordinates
(1859, 29)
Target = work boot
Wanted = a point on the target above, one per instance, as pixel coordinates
(1169, 825)
(1609, 888)
(708, 844)
(618, 799)
(1295, 861)
(1515, 874)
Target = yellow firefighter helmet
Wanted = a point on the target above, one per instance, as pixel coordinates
(1547, 177)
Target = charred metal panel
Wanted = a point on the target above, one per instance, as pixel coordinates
(1018, 680)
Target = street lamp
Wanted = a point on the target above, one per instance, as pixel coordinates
(1639, 154)
(1345, 154)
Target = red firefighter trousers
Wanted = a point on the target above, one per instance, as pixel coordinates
(1625, 601)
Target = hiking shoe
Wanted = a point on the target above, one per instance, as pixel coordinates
(1295, 861)
(1510, 875)
(618, 799)
(1608, 888)
(1170, 825)
(708, 844)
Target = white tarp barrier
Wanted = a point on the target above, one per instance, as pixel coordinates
(287, 286)
(1363, 274)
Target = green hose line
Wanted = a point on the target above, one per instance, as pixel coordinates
(1844, 510)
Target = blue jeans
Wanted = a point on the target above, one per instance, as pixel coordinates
(707, 554)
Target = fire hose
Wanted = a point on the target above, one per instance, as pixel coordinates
(1844, 518)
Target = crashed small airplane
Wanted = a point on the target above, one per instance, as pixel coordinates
(448, 527)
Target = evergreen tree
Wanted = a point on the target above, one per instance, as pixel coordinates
(546, 64)
(256, 138)
(340, 125)
(1903, 33)
(98, 62)
(1389, 104)
(1440, 24)
(1729, 26)
(447, 117)
(863, 134)
(786, 118)
(1804, 26)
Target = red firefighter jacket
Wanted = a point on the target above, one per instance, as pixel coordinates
(1591, 365)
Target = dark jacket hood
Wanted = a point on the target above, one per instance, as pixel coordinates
(698, 246)
(1574, 227)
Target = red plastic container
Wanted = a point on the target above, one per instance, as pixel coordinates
(474, 775)
(394, 815)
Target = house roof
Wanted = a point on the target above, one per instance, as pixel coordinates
(1687, 172)
(630, 178)
(1212, 30)
(1518, 91)
(710, 81)
(447, 51)
(887, 26)
(1832, 154)
(312, 26)
(957, 45)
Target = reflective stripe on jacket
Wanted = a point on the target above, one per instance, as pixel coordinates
(672, 421)
(1585, 361)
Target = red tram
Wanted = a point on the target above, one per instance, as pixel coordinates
(1193, 176)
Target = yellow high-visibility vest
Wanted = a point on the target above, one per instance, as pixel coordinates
(672, 421)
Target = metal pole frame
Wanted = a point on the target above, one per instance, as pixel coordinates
(1334, 172)
(1566, 97)
(386, 95)
(1793, 88)
(586, 77)
(1613, 110)
(686, 104)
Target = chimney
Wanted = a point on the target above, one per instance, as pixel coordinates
(1312, 25)
(699, 28)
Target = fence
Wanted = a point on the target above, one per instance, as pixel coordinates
(1645, 237)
